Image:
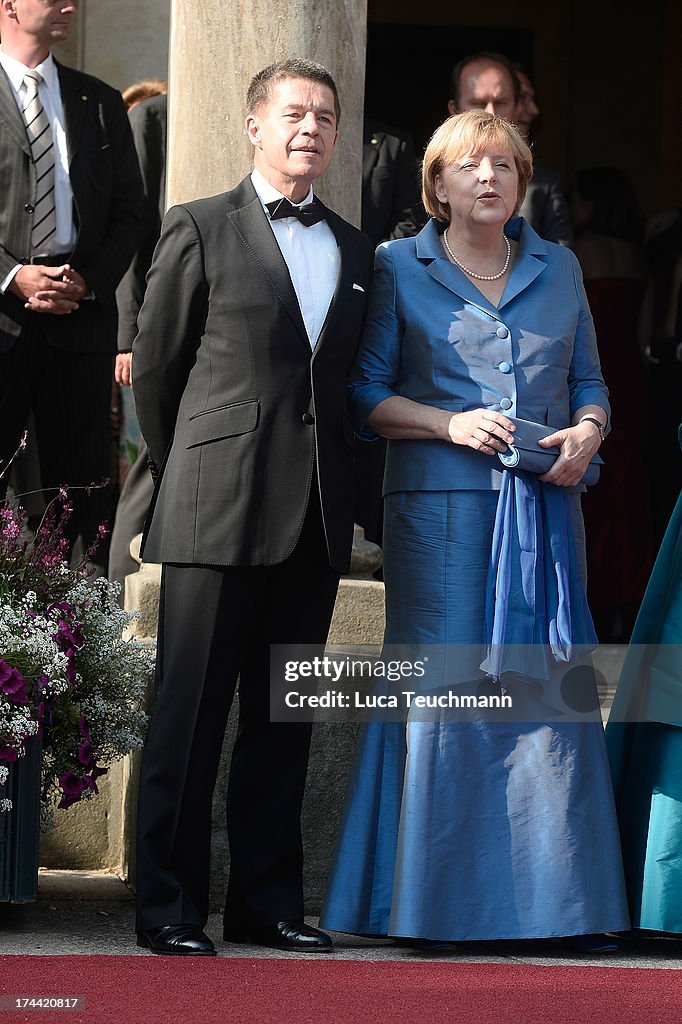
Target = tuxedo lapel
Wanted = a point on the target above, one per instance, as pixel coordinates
(77, 96)
(9, 113)
(251, 224)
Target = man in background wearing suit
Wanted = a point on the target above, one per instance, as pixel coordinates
(488, 81)
(390, 182)
(71, 214)
(253, 310)
(148, 120)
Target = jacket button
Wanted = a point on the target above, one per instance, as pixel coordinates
(502, 332)
(29, 208)
(506, 403)
(504, 367)
(308, 418)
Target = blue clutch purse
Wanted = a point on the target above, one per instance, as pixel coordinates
(525, 455)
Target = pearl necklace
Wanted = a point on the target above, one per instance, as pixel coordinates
(479, 277)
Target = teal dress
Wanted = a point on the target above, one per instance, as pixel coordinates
(644, 739)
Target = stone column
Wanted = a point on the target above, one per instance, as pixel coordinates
(217, 46)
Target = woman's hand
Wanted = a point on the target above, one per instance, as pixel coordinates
(484, 430)
(578, 444)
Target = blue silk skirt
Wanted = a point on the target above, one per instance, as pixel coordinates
(480, 829)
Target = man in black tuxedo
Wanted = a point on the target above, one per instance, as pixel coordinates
(71, 214)
(251, 318)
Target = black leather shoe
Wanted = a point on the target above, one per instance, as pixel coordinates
(177, 940)
(281, 935)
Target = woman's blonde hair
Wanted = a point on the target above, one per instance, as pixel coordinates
(465, 133)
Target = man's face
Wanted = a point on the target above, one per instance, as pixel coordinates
(527, 110)
(41, 21)
(293, 135)
(485, 86)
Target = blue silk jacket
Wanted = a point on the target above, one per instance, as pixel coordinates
(433, 337)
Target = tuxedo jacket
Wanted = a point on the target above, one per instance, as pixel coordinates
(236, 409)
(109, 207)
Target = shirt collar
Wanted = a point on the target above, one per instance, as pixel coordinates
(267, 193)
(15, 70)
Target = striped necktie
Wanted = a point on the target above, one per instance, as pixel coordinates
(42, 150)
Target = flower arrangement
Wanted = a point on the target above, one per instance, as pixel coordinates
(67, 675)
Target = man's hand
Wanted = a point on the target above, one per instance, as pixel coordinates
(122, 374)
(56, 290)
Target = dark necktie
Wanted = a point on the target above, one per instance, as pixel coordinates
(308, 215)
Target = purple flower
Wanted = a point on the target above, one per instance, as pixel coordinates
(85, 753)
(8, 754)
(12, 684)
(73, 786)
(70, 631)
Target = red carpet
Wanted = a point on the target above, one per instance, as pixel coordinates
(155, 990)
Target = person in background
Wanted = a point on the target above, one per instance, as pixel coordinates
(144, 90)
(618, 520)
(474, 321)
(148, 117)
(545, 205)
(489, 81)
(661, 343)
(644, 740)
(71, 216)
(527, 109)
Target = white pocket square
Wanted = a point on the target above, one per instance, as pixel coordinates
(358, 287)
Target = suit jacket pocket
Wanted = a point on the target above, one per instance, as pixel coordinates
(216, 424)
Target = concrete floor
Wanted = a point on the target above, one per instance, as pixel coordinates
(92, 912)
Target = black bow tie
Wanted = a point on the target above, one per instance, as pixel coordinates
(309, 214)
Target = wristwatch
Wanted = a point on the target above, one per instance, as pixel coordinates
(598, 424)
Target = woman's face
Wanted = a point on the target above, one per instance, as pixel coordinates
(480, 188)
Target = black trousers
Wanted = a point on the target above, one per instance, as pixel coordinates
(70, 394)
(217, 624)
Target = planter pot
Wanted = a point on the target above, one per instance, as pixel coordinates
(20, 829)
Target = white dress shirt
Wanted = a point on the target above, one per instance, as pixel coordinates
(51, 99)
(311, 254)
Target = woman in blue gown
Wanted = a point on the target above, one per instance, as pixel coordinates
(644, 740)
(480, 829)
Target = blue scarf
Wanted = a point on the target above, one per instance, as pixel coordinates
(536, 609)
